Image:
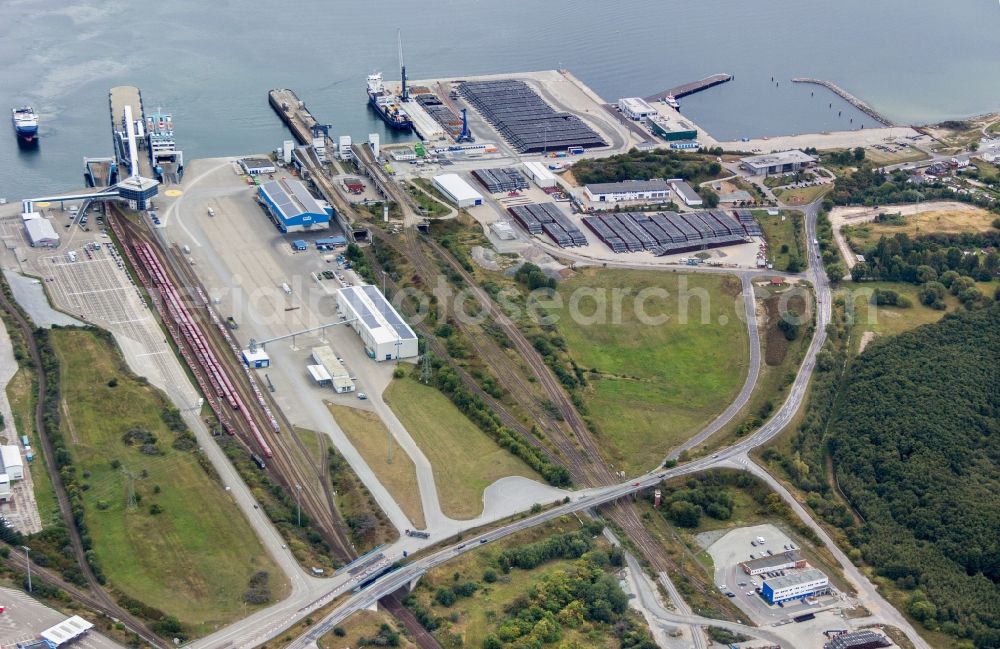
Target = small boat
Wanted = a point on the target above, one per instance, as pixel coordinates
(670, 101)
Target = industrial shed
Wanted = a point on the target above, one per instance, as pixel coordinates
(686, 193)
(806, 583)
(384, 333)
(13, 466)
(336, 374)
(457, 190)
(539, 173)
(40, 233)
(66, 631)
(292, 207)
(627, 190)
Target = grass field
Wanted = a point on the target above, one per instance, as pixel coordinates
(948, 221)
(909, 154)
(363, 624)
(651, 386)
(465, 460)
(21, 396)
(195, 558)
(434, 208)
(802, 195)
(785, 238)
(369, 436)
(889, 320)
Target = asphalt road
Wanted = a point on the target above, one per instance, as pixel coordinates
(275, 620)
(750, 306)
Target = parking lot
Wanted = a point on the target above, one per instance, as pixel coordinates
(24, 618)
(737, 546)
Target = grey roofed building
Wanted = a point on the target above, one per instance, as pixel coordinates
(771, 562)
(858, 640)
(40, 232)
(628, 186)
(780, 162)
(686, 192)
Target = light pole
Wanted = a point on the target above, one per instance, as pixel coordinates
(27, 562)
(298, 506)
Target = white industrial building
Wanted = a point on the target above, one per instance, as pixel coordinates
(256, 358)
(12, 469)
(254, 166)
(319, 375)
(384, 333)
(40, 232)
(628, 190)
(13, 466)
(66, 631)
(335, 373)
(540, 174)
(635, 108)
(344, 148)
(686, 193)
(777, 163)
(804, 583)
(457, 190)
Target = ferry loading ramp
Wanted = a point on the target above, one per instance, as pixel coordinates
(525, 120)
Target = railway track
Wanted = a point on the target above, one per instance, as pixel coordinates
(256, 418)
(586, 464)
(101, 600)
(499, 366)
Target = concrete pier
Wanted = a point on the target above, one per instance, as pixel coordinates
(691, 88)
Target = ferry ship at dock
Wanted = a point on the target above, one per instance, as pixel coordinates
(153, 146)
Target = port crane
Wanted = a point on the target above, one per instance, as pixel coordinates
(405, 94)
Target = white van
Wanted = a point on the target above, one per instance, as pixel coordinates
(286, 288)
(211, 212)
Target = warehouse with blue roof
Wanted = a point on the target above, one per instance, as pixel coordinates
(292, 207)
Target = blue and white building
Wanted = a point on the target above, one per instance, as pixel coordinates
(796, 585)
(385, 335)
(292, 207)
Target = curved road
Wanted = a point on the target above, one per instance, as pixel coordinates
(750, 311)
(272, 622)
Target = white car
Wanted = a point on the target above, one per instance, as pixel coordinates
(362, 396)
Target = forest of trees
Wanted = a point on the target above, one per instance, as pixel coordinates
(868, 186)
(916, 446)
(917, 260)
(644, 165)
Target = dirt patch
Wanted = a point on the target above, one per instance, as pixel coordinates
(866, 338)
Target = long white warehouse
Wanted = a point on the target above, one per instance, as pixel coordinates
(539, 173)
(385, 335)
(457, 190)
